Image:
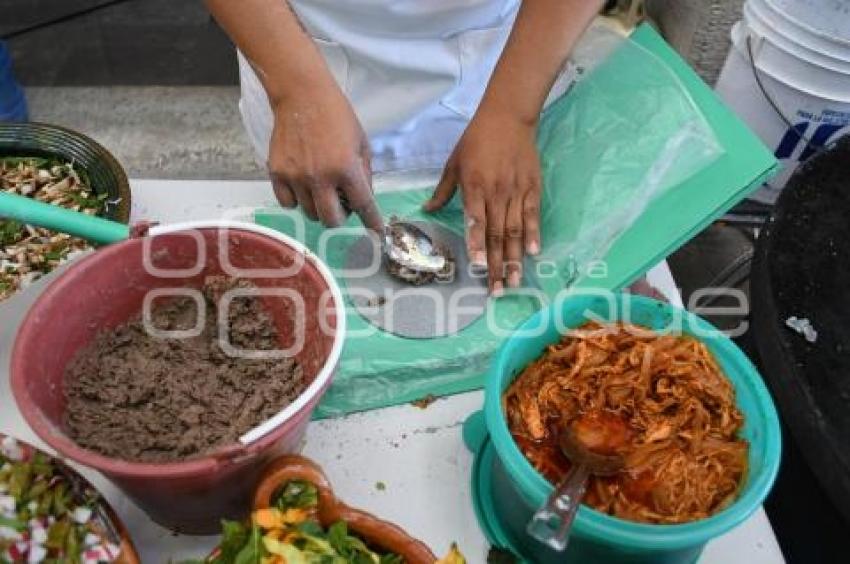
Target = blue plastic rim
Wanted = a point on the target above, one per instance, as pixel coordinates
(13, 106)
(761, 425)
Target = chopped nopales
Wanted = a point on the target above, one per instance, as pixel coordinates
(27, 252)
(47, 514)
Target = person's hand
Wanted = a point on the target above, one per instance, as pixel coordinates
(319, 158)
(497, 168)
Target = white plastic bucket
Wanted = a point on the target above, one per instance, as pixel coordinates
(801, 55)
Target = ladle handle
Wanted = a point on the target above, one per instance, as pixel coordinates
(552, 523)
(57, 218)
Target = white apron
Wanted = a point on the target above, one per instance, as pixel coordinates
(414, 71)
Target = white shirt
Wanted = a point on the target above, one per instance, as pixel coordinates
(414, 71)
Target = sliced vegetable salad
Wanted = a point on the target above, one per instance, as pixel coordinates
(289, 533)
(46, 515)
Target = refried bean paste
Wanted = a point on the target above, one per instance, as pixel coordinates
(134, 396)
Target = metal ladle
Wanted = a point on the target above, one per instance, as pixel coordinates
(409, 246)
(551, 523)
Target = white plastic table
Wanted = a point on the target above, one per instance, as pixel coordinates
(416, 454)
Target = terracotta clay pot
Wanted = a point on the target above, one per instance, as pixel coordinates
(378, 534)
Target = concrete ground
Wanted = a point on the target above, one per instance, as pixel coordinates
(154, 81)
(180, 132)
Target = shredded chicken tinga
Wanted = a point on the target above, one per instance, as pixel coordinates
(683, 459)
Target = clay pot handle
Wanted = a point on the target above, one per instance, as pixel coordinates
(373, 530)
(388, 536)
(293, 467)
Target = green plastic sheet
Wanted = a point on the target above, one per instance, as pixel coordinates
(625, 134)
(628, 135)
(377, 368)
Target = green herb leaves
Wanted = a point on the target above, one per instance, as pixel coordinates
(234, 537)
(252, 552)
(298, 494)
(303, 541)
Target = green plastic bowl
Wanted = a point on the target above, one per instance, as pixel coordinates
(517, 489)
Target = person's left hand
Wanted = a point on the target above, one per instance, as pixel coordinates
(497, 168)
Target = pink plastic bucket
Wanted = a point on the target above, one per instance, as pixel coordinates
(109, 287)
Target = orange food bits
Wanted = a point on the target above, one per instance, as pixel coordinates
(269, 518)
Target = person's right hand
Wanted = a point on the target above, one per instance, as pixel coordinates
(319, 158)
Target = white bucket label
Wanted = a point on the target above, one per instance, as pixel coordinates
(810, 132)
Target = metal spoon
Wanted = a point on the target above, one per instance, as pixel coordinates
(580, 442)
(409, 246)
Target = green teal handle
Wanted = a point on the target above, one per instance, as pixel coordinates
(57, 218)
